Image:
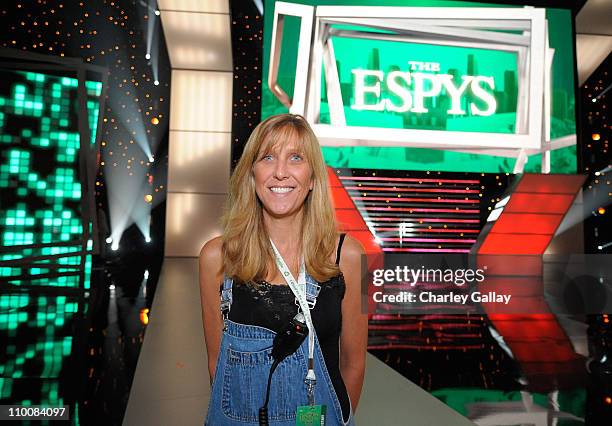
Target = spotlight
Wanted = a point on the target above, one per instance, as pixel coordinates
(595, 136)
(156, 83)
(599, 247)
(115, 246)
(146, 274)
(155, 121)
(148, 239)
(157, 12)
(144, 316)
(148, 198)
(148, 56)
(109, 240)
(601, 210)
(594, 100)
(111, 287)
(151, 159)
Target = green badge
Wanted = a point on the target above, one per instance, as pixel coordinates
(310, 415)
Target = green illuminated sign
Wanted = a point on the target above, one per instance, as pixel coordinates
(384, 89)
(392, 85)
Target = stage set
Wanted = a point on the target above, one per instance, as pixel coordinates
(454, 133)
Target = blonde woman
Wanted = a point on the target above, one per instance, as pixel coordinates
(280, 269)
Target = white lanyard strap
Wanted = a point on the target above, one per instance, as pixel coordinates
(299, 290)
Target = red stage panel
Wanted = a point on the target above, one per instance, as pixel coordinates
(539, 203)
(527, 223)
(350, 220)
(341, 199)
(514, 244)
(554, 184)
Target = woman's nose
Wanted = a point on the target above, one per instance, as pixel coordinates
(280, 170)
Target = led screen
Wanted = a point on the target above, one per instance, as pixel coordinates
(40, 182)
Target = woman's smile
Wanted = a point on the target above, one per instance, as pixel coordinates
(281, 190)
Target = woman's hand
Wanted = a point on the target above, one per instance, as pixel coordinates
(354, 334)
(211, 277)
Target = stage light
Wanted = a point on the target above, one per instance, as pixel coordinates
(157, 12)
(144, 316)
(115, 246)
(155, 121)
(148, 198)
(146, 274)
(601, 210)
(156, 83)
(599, 247)
(148, 239)
(594, 100)
(111, 287)
(109, 240)
(596, 136)
(608, 400)
(148, 56)
(151, 159)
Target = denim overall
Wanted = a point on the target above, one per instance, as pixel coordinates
(241, 376)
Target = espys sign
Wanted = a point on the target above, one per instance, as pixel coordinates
(424, 85)
(469, 81)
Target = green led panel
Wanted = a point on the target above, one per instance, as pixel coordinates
(36, 335)
(40, 185)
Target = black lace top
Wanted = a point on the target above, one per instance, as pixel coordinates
(273, 306)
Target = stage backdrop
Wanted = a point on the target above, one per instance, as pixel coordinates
(441, 78)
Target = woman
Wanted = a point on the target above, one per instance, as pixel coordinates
(279, 215)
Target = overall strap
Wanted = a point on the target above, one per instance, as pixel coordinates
(312, 291)
(226, 296)
(340, 241)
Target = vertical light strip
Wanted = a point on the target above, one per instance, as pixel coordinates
(198, 41)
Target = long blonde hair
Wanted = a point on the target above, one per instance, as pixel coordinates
(247, 253)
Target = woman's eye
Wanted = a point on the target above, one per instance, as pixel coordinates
(296, 157)
(267, 157)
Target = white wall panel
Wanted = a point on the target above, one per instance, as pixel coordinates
(591, 50)
(201, 101)
(199, 162)
(212, 6)
(191, 220)
(198, 40)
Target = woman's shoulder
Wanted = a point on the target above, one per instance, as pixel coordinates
(211, 253)
(351, 252)
(350, 260)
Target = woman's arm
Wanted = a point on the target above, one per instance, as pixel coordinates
(211, 277)
(354, 335)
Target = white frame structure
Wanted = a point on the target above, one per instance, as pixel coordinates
(453, 26)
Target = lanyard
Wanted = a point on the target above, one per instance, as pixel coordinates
(299, 290)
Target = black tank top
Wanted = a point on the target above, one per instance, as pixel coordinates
(273, 306)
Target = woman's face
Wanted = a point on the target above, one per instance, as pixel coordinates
(283, 179)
